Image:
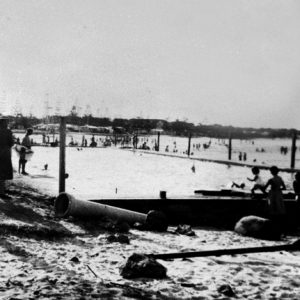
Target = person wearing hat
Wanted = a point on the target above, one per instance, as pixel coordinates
(6, 142)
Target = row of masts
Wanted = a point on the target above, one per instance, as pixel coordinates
(15, 108)
(49, 110)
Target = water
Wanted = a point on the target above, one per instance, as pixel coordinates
(258, 151)
(111, 172)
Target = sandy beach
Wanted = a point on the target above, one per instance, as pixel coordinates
(43, 257)
(179, 111)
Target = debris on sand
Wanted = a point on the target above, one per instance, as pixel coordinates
(185, 230)
(257, 227)
(118, 238)
(226, 290)
(142, 266)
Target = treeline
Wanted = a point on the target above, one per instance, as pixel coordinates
(178, 128)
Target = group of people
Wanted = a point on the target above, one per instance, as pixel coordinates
(242, 156)
(275, 185)
(284, 150)
(6, 143)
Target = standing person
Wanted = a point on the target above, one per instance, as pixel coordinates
(275, 201)
(26, 142)
(259, 184)
(240, 156)
(22, 159)
(6, 142)
(296, 185)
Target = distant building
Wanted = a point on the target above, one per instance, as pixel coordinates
(156, 130)
(47, 127)
(119, 130)
(96, 129)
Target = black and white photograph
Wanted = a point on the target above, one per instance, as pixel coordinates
(149, 149)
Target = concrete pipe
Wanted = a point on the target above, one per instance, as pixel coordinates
(66, 205)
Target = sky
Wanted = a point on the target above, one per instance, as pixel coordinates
(229, 62)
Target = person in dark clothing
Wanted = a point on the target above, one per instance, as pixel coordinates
(6, 142)
(22, 159)
(296, 186)
(277, 211)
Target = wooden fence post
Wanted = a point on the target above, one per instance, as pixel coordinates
(62, 154)
(158, 141)
(293, 150)
(229, 146)
(116, 140)
(189, 145)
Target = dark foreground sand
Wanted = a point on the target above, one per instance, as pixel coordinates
(42, 257)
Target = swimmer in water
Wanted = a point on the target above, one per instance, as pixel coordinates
(193, 168)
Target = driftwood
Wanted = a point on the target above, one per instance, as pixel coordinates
(295, 246)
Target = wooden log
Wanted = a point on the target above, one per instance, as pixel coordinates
(286, 247)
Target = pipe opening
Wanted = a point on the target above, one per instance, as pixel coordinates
(62, 204)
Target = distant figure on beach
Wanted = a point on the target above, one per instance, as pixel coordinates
(72, 142)
(22, 159)
(26, 142)
(296, 185)
(6, 142)
(93, 143)
(193, 168)
(245, 156)
(240, 156)
(283, 150)
(258, 182)
(275, 201)
(135, 141)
